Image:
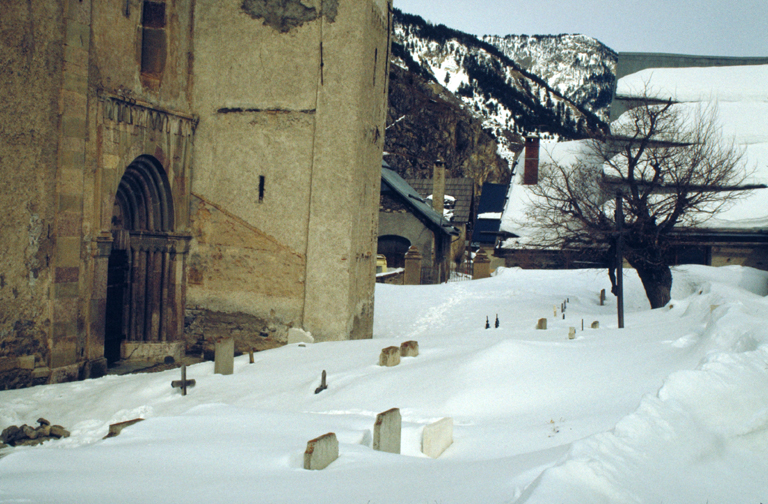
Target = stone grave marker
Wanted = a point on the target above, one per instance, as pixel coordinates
(595, 325)
(390, 356)
(117, 428)
(542, 324)
(183, 383)
(298, 335)
(224, 359)
(571, 332)
(387, 430)
(323, 385)
(437, 437)
(602, 297)
(409, 348)
(321, 452)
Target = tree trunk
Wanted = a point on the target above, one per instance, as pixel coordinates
(657, 281)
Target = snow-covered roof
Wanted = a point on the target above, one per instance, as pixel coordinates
(415, 201)
(740, 94)
(724, 84)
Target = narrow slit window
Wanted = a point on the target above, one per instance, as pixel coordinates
(375, 64)
(261, 188)
(154, 45)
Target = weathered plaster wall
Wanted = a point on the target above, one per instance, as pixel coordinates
(289, 146)
(346, 180)
(31, 37)
(263, 279)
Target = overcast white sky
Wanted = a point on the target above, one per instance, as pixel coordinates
(709, 27)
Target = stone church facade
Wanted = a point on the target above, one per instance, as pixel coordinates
(185, 169)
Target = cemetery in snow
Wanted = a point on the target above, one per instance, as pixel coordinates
(436, 407)
(323, 450)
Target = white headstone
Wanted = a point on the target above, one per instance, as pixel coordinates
(224, 358)
(321, 452)
(437, 437)
(297, 335)
(387, 430)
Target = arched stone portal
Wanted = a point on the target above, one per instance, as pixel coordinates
(144, 308)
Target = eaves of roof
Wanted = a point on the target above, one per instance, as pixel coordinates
(419, 205)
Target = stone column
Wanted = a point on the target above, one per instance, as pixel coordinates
(412, 275)
(68, 295)
(95, 347)
(438, 186)
(482, 267)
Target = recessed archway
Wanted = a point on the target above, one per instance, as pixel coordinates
(141, 281)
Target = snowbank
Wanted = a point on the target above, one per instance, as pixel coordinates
(673, 408)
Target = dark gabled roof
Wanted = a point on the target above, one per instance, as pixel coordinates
(462, 189)
(486, 231)
(492, 200)
(418, 204)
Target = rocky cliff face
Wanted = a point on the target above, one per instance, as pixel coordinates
(471, 102)
(578, 67)
(426, 121)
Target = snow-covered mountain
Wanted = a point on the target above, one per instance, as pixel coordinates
(578, 67)
(507, 97)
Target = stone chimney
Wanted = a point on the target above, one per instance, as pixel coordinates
(438, 186)
(531, 167)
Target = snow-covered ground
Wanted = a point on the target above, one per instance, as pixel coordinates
(673, 408)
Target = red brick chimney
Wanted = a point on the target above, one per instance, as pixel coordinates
(531, 167)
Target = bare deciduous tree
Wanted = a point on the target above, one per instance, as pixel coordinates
(672, 169)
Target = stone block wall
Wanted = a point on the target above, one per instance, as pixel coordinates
(32, 36)
(263, 141)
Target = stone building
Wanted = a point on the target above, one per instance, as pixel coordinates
(406, 219)
(177, 170)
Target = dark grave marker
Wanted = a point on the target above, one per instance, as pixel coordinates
(183, 383)
(323, 385)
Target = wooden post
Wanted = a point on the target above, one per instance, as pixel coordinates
(619, 260)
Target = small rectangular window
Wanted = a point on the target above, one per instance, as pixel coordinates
(153, 15)
(261, 188)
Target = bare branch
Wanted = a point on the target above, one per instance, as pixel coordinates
(672, 168)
